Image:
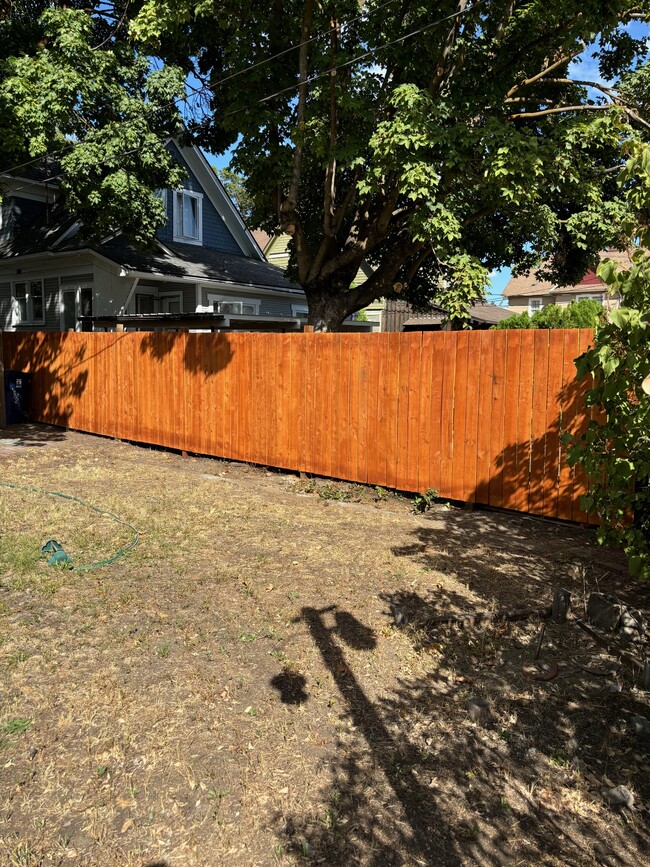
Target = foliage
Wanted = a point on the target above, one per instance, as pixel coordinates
(424, 501)
(235, 186)
(458, 144)
(73, 86)
(615, 449)
(578, 314)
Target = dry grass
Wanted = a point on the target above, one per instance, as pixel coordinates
(235, 692)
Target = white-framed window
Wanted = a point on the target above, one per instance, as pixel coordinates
(233, 306)
(592, 296)
(534, 304)
(300, 310)
(188, 217)
(29, 302)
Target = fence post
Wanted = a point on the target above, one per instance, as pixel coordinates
(308, 329)
(3, 409)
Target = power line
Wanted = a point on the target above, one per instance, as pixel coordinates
(286, 89)
(363, 56)
(221, 81)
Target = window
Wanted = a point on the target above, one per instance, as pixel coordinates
(233, 306)
(145, 304)
(187, 217)
(300, 310)
(29, 302)
(534, 304)
(171, 303)
(593, 296)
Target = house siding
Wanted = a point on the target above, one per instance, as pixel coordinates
(216, 235)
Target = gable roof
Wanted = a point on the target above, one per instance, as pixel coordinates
(481, 314)
(216, 192)
(531, 285)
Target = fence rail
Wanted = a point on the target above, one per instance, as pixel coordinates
(476, 415)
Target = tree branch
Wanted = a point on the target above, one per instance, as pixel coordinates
(528, 81)
(446, 49)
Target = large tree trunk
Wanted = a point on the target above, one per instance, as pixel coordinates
(327, 312)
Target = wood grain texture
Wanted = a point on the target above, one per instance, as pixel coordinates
(477, 416)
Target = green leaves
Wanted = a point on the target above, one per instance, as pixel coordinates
(615, 449)
(70, 83)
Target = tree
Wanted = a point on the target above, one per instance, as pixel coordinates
(235, 186)
(78, 100)
(578, 314)
(435, 141)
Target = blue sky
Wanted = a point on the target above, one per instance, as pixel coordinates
(584, 67)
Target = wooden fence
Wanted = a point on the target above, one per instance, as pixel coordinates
(476, 415)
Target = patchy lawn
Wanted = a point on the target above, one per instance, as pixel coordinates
(236, 690)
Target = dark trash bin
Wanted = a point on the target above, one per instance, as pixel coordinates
(17, 396)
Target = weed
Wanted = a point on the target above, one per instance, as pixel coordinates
(423, 502)
(101, 770)
(23, 856)
(16, 658)
(292, 595)
(247, 637)
(15, 726)
(163, 651)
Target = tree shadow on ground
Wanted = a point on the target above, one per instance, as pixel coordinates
(415, 780)
(30, 435)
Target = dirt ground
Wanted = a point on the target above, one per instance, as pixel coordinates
(258, 681)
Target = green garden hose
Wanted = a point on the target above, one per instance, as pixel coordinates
(100, 563)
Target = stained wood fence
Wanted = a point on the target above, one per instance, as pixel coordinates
(476, 415)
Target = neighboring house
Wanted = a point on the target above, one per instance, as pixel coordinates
(205, 261)
(481, 317)
(528, 294)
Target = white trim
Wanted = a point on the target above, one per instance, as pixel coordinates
(214, 190)
(176, 217)
(300, 309)
(532, 309)
(16, 315)
(129, 297)
(72, 230)
(77, 288)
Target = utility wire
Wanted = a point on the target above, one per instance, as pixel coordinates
(359, 57)
(221, 81)
(300, 84)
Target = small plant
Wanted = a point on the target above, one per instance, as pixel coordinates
(15, 726)
(247, 637)
(423, 502)
(163, 651)
(101, 770)
(381, 493)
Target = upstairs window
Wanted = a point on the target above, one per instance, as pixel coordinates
(188, 208)
(592, 296)
(29, 302)
(534, 304)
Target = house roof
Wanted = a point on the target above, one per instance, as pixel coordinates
(481, 313)
(186, 261)
(530, 284)
(183, 261)
(262, 238)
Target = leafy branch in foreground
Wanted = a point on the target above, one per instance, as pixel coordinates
(615, 449)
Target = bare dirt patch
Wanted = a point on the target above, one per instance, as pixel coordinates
(237, 690)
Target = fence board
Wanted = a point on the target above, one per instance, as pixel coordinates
(478, 416)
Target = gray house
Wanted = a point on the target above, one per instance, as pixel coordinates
(206, 269)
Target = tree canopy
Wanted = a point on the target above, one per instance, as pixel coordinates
(435, 141)
(79, 101)
(235, 186)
